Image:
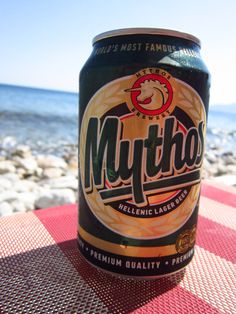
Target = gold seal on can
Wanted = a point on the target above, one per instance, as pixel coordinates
(186, 240)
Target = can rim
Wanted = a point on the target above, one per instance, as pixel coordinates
(146, 31)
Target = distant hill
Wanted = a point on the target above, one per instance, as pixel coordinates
(224, 108)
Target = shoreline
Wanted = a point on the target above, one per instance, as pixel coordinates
(31, 180)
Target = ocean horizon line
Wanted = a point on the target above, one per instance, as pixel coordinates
(45, 89)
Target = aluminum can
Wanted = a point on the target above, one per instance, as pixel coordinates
(143, 106)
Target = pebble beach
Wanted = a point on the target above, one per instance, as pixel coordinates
(29, 182)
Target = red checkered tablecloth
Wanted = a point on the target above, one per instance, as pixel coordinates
(42, 271)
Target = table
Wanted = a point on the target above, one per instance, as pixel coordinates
(42, 271)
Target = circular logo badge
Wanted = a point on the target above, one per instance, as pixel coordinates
(151, 94)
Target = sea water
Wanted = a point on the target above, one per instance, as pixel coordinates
(43, 119)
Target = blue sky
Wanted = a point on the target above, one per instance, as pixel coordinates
(45, 43)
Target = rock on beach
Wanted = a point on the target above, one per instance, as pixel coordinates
(54, 197)
(6, 166)
(51, 161)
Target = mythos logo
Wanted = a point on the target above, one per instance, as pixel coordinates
(141, 147)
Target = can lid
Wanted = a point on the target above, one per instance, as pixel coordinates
(146, 31)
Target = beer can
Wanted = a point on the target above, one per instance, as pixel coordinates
(143, 106)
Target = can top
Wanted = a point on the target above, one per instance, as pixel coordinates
(146, 31)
